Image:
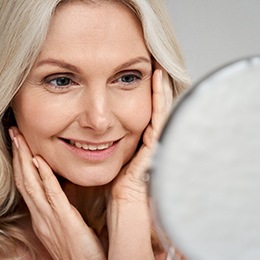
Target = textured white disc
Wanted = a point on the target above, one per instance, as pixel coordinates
(206, 175)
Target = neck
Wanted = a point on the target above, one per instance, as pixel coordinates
(89, 201)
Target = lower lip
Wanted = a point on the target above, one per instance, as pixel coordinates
(98, 155)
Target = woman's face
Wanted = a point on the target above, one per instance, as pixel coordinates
(87, 100)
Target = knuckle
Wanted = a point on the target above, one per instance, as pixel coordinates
(53, 197)
(41, 230)
(29, 188)
(53, 194)
(19, 184)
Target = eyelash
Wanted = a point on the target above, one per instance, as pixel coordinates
(48, 80)
(134, 77)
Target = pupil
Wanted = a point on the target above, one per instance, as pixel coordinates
(128, 78)
(62, 81)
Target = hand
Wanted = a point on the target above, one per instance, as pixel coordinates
(129, 220)
(133, 175)
(55, 221)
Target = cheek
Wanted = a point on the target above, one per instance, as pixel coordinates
(36, 119)
(137, 112)
(143, 115)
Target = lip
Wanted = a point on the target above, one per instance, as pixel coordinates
(91, 155)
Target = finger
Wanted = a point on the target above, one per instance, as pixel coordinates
(63, 231)
(158, 103)
(162, 100)
(26, 176)
(16, 167)
(53, 191)
(168, 89)
(167, 84)
(36, 181)
(162, 104)
(43, 175)
(57, 199)
(66, 215)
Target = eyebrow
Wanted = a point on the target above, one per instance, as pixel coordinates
(140, 59)
(59, 63)
(68, 66)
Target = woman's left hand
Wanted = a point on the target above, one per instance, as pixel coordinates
(129, 217)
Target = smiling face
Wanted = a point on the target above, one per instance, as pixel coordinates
(87, 100)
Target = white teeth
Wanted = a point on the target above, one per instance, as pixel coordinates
(104, 146)
(91, 147)
(85, 146)
(77, 144)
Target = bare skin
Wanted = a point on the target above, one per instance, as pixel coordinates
(57, 227)
(58, 224)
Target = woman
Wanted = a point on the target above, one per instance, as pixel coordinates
(86, 86)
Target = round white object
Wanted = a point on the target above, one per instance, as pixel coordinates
(205, 180)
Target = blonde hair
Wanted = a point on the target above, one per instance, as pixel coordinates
(161, 41)
(23, 28)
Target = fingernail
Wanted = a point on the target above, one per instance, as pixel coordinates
(15, 140)
(35, 162)
(11, 133)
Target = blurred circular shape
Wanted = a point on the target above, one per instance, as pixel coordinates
(205, 180)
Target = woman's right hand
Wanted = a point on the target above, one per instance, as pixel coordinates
(56, 222)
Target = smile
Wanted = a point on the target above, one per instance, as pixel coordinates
(91, 147)
(91, 152)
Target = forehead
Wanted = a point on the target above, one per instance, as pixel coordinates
(90, 27)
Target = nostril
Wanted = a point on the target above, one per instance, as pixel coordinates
(98, 122)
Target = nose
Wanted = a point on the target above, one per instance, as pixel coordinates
(96, 111)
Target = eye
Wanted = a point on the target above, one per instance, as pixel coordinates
(60, 82)
(129, 78)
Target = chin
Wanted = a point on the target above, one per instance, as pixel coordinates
(89, 181)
